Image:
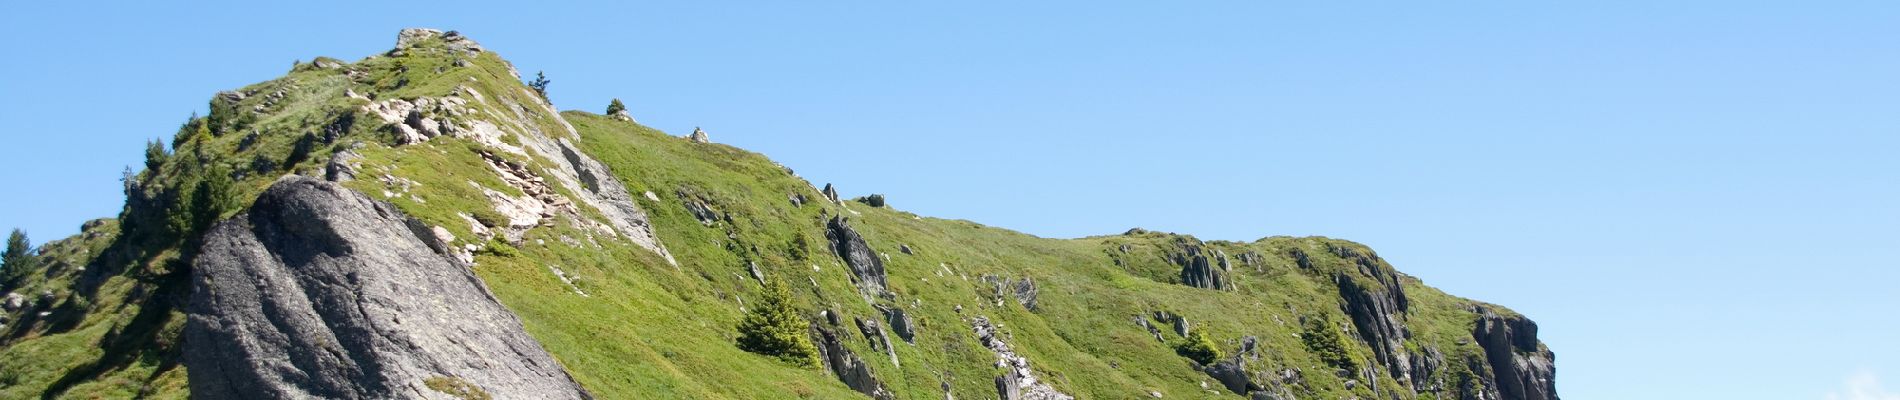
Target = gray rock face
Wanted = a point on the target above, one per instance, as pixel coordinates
(900, 323)
(321, 292)
(1377, 304)
(699, 136)
(867, 269)
(1196, 269)
(844, 364)
(1521, 369)
(1018, 381)
(1233, 376)
(831, 193)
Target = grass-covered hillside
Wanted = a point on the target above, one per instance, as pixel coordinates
(957, 307)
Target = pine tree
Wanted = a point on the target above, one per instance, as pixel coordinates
(154, 155)
(1322, 338)
(773, 327)
(540, 84)
(17, 259)
(213, 196)
(615, 107)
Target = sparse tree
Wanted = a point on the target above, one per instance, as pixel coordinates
(17, 259)
(214, 195)
(154, 155)
(773, 327)
(615, 107)
(540, 84)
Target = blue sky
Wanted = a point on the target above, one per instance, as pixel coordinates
(1693, 199)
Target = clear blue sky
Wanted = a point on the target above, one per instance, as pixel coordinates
(1693, 199)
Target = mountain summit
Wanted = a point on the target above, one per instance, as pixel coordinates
(423, 224)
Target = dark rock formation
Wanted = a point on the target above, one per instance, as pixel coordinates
(1521, 369)
(831, 193)
(867, 269)
(1375, 299)
(900, 323)
(1232, 375)
(875, 200)
(321, 292)
(1196, 269)
(846, 365)
(1026, 293)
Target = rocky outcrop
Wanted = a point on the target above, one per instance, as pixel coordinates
(409, 38)
(320, 292)
(699, 136)
(1196, 269)
(843, 363)
(1376, 301)
(867, 269)
(1521, 369)
(900, 322)
(1018, 381)
(831, 193)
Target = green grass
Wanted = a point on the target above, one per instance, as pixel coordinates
(648, 329)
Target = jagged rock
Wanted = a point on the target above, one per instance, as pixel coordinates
(1180, 323)
(1026, 293)
(844, 364)
(1196, 269)
(699, 136)
(875, 200)
(700, 209)
(905, 248)
(1018, 380)
(900, 323)
(831, 193)
(320, 292)
(756, 274)
(1521, 369)
(1425, 368)
(343, 166)
(452, 40)
(1378, 309)
(867, 269)
(798, 199)
(1156, 332)
(622, 115)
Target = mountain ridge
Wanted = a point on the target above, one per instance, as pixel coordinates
(630, 255)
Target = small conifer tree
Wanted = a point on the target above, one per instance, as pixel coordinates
(773, 327)
(1322, 338)
(615, 107)
(540, 84)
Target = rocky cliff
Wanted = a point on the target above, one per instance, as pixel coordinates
(421, 224)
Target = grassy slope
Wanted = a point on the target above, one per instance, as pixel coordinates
(651, 330)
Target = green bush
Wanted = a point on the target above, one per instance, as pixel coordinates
(615, 107)
(1197, 347)
(1322, 338)
(773, 327)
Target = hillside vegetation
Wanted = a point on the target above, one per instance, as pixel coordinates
(895, 305)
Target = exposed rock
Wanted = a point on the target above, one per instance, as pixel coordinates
(900, 323)
(1196, 269)
(867, 269)
(798, 199)
(874, 200)
(320, 292)
(874, 334)
(343, 166)
(1156, 332)
(905, 248)
(1018, 380)
(700, 209)
(831, 193)
(622, 115)
(1233, 375)
(1521, 369)
(14, 302)
(1378, 309)
(699, 136)
(1026, 293)
(452, 40)
(845, 365)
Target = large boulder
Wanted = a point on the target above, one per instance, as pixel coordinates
(1197, 269)
(321, 292)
